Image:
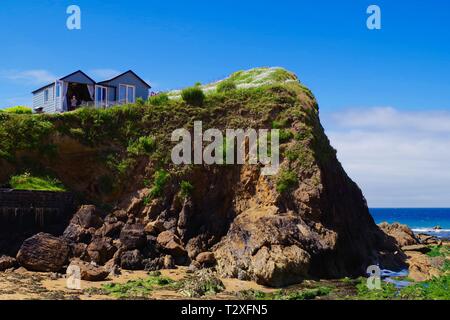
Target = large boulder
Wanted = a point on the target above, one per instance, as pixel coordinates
(7, 263)
(280, 265)
(401, 233)
(133, 236)
(131, 260)
(269, 248)
(88, 216)
(43, 252)
(83, 224)
(90, 271)
(206, 259)
(101, 250)
(171, 244)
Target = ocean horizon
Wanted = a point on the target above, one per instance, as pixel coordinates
(420, 220)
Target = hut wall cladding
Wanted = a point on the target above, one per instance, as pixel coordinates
(25, 213)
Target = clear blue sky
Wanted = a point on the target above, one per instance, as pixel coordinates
(171, 44)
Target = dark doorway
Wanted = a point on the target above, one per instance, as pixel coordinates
(80, 92)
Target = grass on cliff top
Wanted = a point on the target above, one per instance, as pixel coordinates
(125, 136)
(28, 182)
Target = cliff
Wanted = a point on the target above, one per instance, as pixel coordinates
(310, 220)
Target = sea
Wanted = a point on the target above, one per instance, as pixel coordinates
(420, 220)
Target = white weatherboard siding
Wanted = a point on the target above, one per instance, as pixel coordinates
(38, 100)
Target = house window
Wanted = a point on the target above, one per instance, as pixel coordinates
(101, 96)
(58, 90)
(46, 95)
(127, 94)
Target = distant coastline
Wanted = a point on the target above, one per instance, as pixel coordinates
(420, 220)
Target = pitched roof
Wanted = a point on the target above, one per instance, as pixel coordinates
(129, 71)
(102, 82)
(63, 78)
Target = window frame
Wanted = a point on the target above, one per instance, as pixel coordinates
(127, 86)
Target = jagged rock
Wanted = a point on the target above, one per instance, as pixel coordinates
(121, 215)
(428, 240)
(78, 234)
(7, 263)
(421, 266)
(43, 252)
(153, 264)
(101, 250)
(131, 260)
(90, 271)
(402, 234)
(78, 250)
(154, 227)
(417, 247)
(88, 216)
(112, 230)
(133, 236)
(206, 259)
(171, 244)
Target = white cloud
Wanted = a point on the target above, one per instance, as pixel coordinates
(35, 77)
(103, 74)
(399, 158)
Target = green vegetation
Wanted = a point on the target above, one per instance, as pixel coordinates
(193, 96)
(121, 136)
(437, 288)
(18, 110)
(285, 135)
(137, 288)
(28, 182)
(305, 294)
(160, 178)
(286, 180)
(142, 146)
(439, 251)
(387, 291)
(158, 100)
(186, 188)
(226, 86)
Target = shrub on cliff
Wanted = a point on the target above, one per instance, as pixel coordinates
(141, 146)
(286, 180)
(193, 96)
(158, 100)
(226, 86)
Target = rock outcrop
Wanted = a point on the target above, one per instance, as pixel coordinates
(402, 234)
(308, 220)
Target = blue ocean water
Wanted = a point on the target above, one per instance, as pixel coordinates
(420, 220)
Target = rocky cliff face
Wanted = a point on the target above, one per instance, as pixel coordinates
(310, 220)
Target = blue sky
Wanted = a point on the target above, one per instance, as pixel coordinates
(401, 71)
